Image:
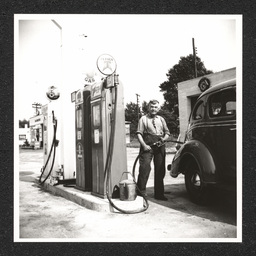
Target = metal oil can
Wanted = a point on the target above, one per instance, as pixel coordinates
(127, 189)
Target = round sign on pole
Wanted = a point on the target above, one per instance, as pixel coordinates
(106, 64)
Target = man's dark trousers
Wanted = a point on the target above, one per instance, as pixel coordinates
(158, 153)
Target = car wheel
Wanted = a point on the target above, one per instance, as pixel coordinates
(196, 188)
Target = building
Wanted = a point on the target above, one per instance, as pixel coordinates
(36, 131)
(188, 92)
(24, 134)
(127, 131)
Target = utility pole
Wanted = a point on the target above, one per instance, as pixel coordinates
(37, 106)
(138, 110)
(194, 56)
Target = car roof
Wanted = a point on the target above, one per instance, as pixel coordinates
(222, 85)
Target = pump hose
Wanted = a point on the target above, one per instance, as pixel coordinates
(135, 162)
(154, 144)
(54, 152)
(109, 161)
(137, 158)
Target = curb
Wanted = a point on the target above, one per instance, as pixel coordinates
(87, 200)
(82, 198)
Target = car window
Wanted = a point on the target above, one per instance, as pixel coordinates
(198, 111)
(222, 103)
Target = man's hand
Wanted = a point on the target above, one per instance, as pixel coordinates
(146, 147)
(142, 143)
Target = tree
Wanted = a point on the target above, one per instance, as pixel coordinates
(23, 122)
(131, 115)
(180, 72)
(171, 119)
(144, 107)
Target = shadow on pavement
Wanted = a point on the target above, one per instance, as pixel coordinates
(26, 176)
(222, 207)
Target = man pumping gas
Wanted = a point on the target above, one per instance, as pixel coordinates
(152, 132)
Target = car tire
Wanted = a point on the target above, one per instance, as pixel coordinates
(196, 188)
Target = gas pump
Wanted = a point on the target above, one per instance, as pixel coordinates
(103, 104)
(109, 144)
(50, 142)
(94, 108)
(83, 139)
(59, 164)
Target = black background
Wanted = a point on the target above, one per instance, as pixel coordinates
(246, 8)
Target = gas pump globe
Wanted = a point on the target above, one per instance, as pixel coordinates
(53, 93)
(106, 64)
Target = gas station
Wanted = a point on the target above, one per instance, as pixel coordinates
(83, 132)
(82, 127)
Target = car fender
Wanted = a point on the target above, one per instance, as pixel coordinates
(197, 151)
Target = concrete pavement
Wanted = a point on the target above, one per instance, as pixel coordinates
(46, 216)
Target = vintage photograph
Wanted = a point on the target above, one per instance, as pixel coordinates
(127, 128)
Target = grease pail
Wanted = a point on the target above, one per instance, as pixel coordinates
(127, 190)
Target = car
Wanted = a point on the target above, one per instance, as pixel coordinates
(207, 158)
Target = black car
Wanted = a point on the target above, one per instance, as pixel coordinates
(208, 156)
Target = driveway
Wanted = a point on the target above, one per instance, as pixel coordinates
(43, 216)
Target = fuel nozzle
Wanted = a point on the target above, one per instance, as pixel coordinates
(56, 142)
(54, 119)
(159, 143)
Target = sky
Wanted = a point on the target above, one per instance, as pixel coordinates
(145, 47)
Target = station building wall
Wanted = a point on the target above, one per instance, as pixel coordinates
(188, 92)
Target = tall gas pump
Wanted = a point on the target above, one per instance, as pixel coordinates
(83, 139)
(50, 142)
(106, 108)
(97, 108)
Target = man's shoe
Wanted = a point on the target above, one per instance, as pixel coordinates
(162, 198)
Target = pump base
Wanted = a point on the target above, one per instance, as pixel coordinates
(67, 181)
(99, 195)
(83, 189)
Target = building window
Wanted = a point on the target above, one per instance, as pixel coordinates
(22, 137)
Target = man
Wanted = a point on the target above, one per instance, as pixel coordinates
(152, 128)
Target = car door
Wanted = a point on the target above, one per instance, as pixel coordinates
(222, 124)
(196, 129)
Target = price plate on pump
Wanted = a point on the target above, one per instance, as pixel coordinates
(106, 64)
(79, 151)
(96, 136)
